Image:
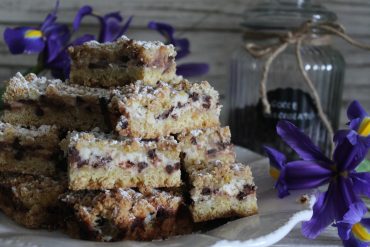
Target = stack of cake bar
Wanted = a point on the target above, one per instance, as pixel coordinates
(114, 152)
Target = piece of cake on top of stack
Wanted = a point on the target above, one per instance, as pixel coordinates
(128, 127)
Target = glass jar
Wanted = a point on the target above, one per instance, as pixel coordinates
(287, 92)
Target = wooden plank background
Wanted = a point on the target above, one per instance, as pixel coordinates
(211, 25)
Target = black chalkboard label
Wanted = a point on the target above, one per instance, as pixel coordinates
(290, 104)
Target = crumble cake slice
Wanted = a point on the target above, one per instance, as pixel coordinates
(121, 214)
(222, 190)
(152, 111)
(32, 100)
(32, 150)
(202, 146)
(31, 201)
(98, 161)
(121, 62)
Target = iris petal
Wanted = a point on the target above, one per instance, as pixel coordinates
(163, 28)
(361, 183)
(82, 12)
(277, 159)
(192, 69)
(304, 174)
(355, 110)
(111, 28)
(50, 18)
(355, 213)
(182, 47)
(33, 34)
(361, 232)
(341, 135)
(125, 26)
(57, 40)
(323, 213)
(344, 230)
(354, 242)
(364, 129)
(330, 206)
(299, 142)
(348, 156)
(18, 43)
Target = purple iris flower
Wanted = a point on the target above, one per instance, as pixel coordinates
(182, 46)
(35, 39)
(315, 169)
(359, 124)
(354, 230)
(110, 24)
(359, 120)
(50, 40)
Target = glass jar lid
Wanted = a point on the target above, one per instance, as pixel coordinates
(284, 14)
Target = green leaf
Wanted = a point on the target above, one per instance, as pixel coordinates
(364, 166)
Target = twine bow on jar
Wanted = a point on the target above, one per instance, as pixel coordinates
(296, 37)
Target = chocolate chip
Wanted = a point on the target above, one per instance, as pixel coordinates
(207, 99)
(206, 191)
(174, 116)
(152, 154)
(207, 102)
(150, 140)
(88, 109)
(193, 140)
(19, 154)
(247, 190)
(138, 223)
(43, 99)
(102, 64)
(62, 133)
(142, 165)
(211, 151)
(182, 156)
(74, 157)
(6, 106)
(103, 103)
(16, 144)
(18, 148)
(124, 58)
(162, 214)
(39, 112)
(101, 161)
(165, 114)
(179, 105)
(169, 169)
(79, 100)
(177, 166)
(101, 222)
(123, 124)
(194, 96)
(223, 145)
(130, 164)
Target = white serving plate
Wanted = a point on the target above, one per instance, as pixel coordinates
(276, 219)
